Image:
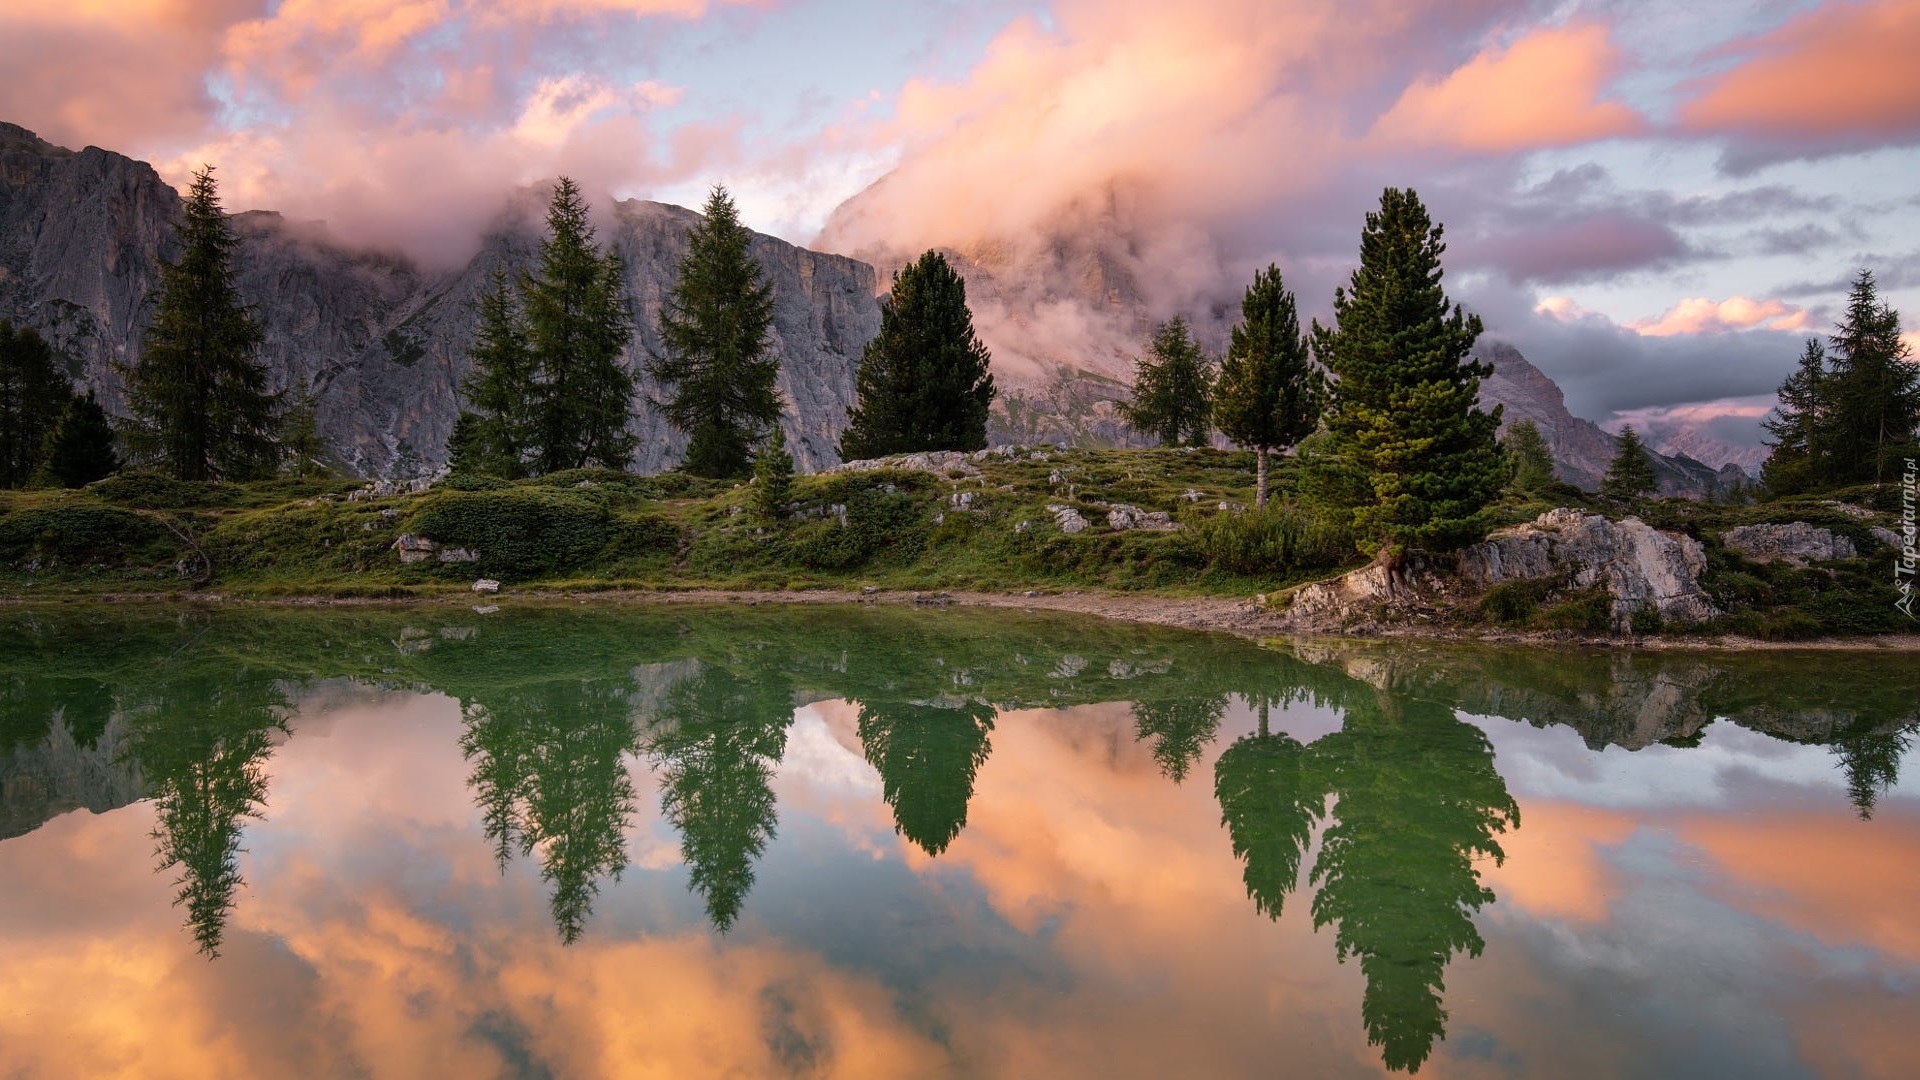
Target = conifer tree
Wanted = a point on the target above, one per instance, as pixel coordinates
(1405, 405)
(923, 382)
(716, 358)
(1531, 460)
(303, 451)
(576, 327)
(1269, 394)
(1872, 391)
(199, 391)
(1630, 474)
(497, 437)
(80, 448)
(773, 478)
(33, 394)
(1798, 425)
(1172, 388)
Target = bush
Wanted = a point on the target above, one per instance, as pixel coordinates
(145, 489)
(1277, 539)
(1587, 612)
(518, 532)
(81, 535)
(1512, 603)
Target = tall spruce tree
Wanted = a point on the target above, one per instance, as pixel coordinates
(1269, 394)
(1529, 456)
(498, 435)
(1405, 407)
(34, 392)
(1798, 425)
(576, 327)
(198, 392)
(923, 382)
(1872, 391)
(1172, 388)
(80, 447)
(716, 358)
(1630, 474)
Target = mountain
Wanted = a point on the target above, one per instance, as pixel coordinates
(381, 339)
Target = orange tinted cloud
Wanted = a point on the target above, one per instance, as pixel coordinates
(1543, 90)
(1699, 315)
(1554, 867)
(1845, 67)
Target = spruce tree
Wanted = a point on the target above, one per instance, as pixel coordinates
(1799, 425)
(1527, 453)
(1872, 392)
(716, 359)
(576, 327)
(923, 382)
(1630, 474)
(1269, 394)
(1405, 408)
(497, 437)
(199, 391)
(773, 478)
(80, 448)
(33, 394)
(1172, 388)
(303, 451)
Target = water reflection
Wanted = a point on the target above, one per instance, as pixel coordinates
(1386, 817)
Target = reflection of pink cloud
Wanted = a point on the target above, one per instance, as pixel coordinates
(1845, 67)
(1542, 90)
(1554, 867)
(1699, 315)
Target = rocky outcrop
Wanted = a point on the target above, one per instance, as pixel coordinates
(1639, 566)
(1796, 543)
(381, 340)
(58, 775)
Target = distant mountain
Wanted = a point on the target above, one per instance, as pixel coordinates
(382, 340)
(1697, 444)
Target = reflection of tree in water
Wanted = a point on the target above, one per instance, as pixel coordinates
(202, 740)
(1871, 763)
(30, 704)
(927, 756)
(1178, 729)
(1418, 801)
(719, 738)
(551, 777)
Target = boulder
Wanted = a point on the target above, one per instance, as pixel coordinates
(941, 462)
(1121, 517)
(486, 586)
(1796, 543)
(453, 554)
(1638, 565)
(413, 548)
(1068, 519)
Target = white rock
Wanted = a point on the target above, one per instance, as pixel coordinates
(486, 586)
(458, 555)
(413, 548)
(1796, 543)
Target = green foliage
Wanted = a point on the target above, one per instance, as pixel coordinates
(923, 382)
(81, 535)
(303, 451)
(80, 447)
(147, 489)
(927, 757)
(1269, 395)
(1172, 388)
(1278, 539)
(773, 478)
(501, 433)
(1630, 473)
(878, 520)
(1529, 456)
(577, 325)
(198, 392)
(1512, 603)
(715, 360)
(34, 395)
(518, 532)
(1405, 404)
(1589, 611)
(1798, 426)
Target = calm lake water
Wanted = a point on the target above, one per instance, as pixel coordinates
(860, 842)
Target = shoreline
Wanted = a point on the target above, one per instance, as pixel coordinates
(1242, 618)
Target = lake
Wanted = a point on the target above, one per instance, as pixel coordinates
(780, 841)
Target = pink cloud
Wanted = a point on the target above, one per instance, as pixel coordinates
(1699, 315)
(1845, 68)
(1542, 90)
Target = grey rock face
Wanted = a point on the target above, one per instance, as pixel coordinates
(381, 340)
(42, 782)
(1638, 565)
(1796, 543)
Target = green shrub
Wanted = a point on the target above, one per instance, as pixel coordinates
(144, 489)
(1512, 603)
(518, 532)
(1277, 539)
(1790, 626)
(81, 535)
(1646, 619)
(1587, 612)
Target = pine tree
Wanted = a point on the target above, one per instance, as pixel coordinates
(923, 382)
(773, 478)
(1798, 426)
(199, 392)
(1529, 456)
(496, 438)
(1172, 388)
(33, 394)
(1872, 391)
(1269, 394)
(303, 451)
(1405, 406)
(576, 327)
(80, 448)
(716, 358)
(1630, 474)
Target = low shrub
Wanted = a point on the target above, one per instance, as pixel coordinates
(1277, 539)
(518, 532)
(1512, 603)
(1587, 612)
(82, 535)
(145, 489)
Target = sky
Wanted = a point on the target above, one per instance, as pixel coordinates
(1656, 202)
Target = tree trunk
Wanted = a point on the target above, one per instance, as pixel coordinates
(1260, 482)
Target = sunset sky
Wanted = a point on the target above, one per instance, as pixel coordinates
(1655, 201)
